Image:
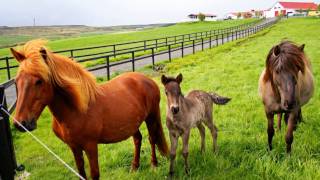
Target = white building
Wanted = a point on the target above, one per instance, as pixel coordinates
(209, 17)
(288, 8)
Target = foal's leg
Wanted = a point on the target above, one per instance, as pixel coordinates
(291, 125)
(270, 128)
(174, 144)
(92, 154)
(78, 156)
(185, 149)
(202, 131)
(279, 121)
(137, 137)
(214, 133)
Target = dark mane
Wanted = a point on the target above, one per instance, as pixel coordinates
(287, 57)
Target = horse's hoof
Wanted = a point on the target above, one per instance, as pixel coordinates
(154, 164)
(134, 168)
(187, 171)
(171, 174)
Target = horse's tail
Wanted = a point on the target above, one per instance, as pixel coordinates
(217, 99)
(156, 133)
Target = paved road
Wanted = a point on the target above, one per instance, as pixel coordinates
(11, 92)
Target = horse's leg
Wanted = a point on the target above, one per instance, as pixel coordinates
(185, 149)
(286, 117)
(279, 115)
(214, 133)
(174, 144)
(202, 131)
(152, 138)
(92, 154)
(137, 137)
(291, 125)
(78, 156)
(270, 129)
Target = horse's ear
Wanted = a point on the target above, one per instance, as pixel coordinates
(179, 78)
(164, 79)
(44, 54)
(302, 47)
(276, 50)
(19, 56)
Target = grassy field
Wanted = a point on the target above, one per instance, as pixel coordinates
(231, 70)
(96, 40)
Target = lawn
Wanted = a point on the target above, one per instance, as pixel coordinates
(231, 70)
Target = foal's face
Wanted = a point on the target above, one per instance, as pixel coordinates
(173, 92)
(33, 94)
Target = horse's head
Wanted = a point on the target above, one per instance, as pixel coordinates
(173, 92)
(284, 62)
(34, 88)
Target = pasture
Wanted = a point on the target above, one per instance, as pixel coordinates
(231, 70)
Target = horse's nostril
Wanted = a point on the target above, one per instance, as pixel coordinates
(175, 110)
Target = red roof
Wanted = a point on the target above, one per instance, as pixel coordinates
(299, 5)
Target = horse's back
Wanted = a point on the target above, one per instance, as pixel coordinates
(306, 85)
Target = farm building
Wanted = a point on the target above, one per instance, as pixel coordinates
(244, 15)
(209, 17)
(289, 8)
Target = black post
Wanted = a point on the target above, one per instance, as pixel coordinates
(108, 67)
(202, 43)
(8, 68)
(152, 55)
(157, 44)
(193, 47)
(210, 39)
(182, 47)
(222, 38)
(71, 53)
(8, 161)
(217, 40)
(145, 44)
(132, 54)
(114, 50)
(166, 41)
(169, 51)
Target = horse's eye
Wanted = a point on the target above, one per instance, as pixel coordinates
(38, 82)
(166, 92)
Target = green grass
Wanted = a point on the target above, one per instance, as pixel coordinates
(97, 40)
(231, 70)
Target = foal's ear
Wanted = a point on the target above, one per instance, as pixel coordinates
(302, 47)
(44, 54)
(19, 56)
(276, 50)
(179, 78)
(164, 79)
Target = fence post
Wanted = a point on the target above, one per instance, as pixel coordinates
(8, 161)
(222, 38)
(145, 45)
(202, 43)
(114, 51)
(156, 44)
(132, 54)
(8, 68)
(217, 40)
(71, 53)
(182, 47)
(152, 55)
(108, 67)
(193, 47)
(210, 42)
(166, 41)
(169, 49)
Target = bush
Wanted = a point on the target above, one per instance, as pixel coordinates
(201, 17)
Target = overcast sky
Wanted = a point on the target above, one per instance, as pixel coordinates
(116, 12)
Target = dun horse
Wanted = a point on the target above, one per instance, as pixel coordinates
(285, 86)
(85, 113)
(184, 113)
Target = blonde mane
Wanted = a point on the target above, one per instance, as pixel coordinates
(62, 72)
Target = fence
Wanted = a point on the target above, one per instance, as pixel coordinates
(114, 50)
(9, 165)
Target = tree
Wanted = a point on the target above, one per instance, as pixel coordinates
(319, 7)
(201, 17)
(239, 15)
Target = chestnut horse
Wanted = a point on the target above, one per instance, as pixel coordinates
(85, 113)
(285, 86)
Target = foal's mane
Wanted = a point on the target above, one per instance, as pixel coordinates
(66, 76)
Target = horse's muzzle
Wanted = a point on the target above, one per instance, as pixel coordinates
(30, 125)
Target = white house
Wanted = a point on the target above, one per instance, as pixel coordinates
(288, 8)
